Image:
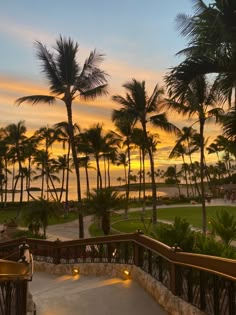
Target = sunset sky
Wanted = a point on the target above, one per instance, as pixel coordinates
(139, 39)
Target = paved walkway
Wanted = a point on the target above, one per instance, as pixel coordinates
(70, 230)
(90, 295)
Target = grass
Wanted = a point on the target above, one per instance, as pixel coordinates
(8, 214)
(94, 230)
(192, 214)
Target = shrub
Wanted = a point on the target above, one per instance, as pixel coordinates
(209, 246)
(179, 233)
(224, 225)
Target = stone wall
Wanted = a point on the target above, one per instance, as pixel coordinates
(171, 303)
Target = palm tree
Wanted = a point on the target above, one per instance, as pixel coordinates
(16, 137)
(144, 109)
(102, 201)
(30, 147)
(124, 125)
(198, 100)
(179, 150)
(211, 34)
(95, 140)
(40, 211)
(139, 140)
(62, 132)
(68, 81)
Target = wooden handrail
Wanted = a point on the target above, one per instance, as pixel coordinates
(217, 265)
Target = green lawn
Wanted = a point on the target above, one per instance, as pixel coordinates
(192, 214)
(8, 214)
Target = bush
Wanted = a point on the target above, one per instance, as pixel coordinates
(224, 225)
(27, 234)
(209, 246)
(179, 233)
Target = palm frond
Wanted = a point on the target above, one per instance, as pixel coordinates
(49, 67)
(35, 99)
(161, 121)
(67, 65)
(92, 93)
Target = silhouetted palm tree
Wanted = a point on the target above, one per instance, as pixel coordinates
(211, 48)
(102, 201)
(143, 109)
(68, 81)
(124, 125)
(16, 135)
(199, 99)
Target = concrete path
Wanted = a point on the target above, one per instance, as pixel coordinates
(90, 295)
(70, 230)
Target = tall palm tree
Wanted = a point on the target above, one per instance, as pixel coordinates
(180, 150)
(139, 140)
(124, 125)
(199, 99)
(16, 137)
(102, 201)
(211, 48)
(144, 109)
(30, 147)
(95, 138)
(68, 81)
(62, 135)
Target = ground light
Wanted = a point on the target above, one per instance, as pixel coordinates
(75, 271)
(126, 274)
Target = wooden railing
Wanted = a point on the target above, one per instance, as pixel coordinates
(207, 282)
(14, 277)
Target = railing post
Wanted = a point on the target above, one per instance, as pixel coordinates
(202, 291)
(109, 252)
(173, 274)
(56, 252)
(138, 252)
(216, 295)
(173, 278)
(231, 294)
(149, 261)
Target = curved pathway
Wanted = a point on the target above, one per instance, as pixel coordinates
(70, 230)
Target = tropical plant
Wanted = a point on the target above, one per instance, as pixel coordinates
(68, 81)
(177, 234)
(102, 201)
(211, 34)
(124, 125)
(224, 225)
(199, 100)
(210, 246)
(143, 109)
(39, 212)
(16, 136)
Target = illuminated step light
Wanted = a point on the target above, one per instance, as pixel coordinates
(126, 274)
(75, 271)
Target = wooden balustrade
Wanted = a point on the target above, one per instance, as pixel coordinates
(207, 282)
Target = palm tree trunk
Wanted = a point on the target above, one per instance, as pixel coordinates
(62, 184)
(202, 176)
(140, 174)
(6, 181)
(185, 173)
(105, 170)
(128, 182)
(154, 192)
(152, 171)
(67, 178)
(144, 180)
(99, 176)
(76, 164)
